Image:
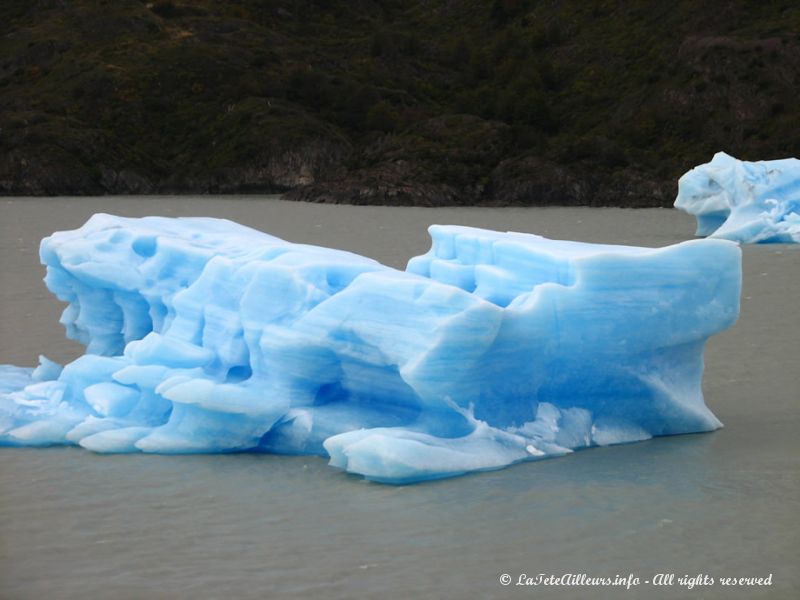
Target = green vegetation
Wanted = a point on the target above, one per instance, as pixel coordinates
(125, 96)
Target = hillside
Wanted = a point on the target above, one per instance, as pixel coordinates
(414, 102)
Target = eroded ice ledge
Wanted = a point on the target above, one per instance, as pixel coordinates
(206, 336)
(747, 202)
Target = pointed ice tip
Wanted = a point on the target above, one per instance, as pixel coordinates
(47, 370)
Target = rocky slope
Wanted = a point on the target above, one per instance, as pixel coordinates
(420, 103)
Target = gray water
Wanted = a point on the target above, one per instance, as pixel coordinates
(79, 525)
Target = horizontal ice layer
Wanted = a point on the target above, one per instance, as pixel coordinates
(747, 202)
(492, 348)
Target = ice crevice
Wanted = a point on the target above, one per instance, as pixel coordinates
(492, 348)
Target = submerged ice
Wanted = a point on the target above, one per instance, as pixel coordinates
(207, 336)
(748, 202)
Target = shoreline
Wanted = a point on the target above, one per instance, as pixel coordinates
(396, 196)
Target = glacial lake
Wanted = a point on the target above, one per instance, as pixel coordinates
(79, 525)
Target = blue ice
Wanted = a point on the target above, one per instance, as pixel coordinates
(203, 335)
(747, 202)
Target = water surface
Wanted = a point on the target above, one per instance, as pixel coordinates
(78, 525)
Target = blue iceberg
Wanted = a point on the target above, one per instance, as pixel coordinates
(203, 335)
(747, 202)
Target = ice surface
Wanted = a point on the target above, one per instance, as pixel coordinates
(206, 336)
(748, 202)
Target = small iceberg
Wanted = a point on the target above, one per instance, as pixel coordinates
(747, 202)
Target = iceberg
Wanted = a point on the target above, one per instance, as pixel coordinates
(492, 348)
(747, 202)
